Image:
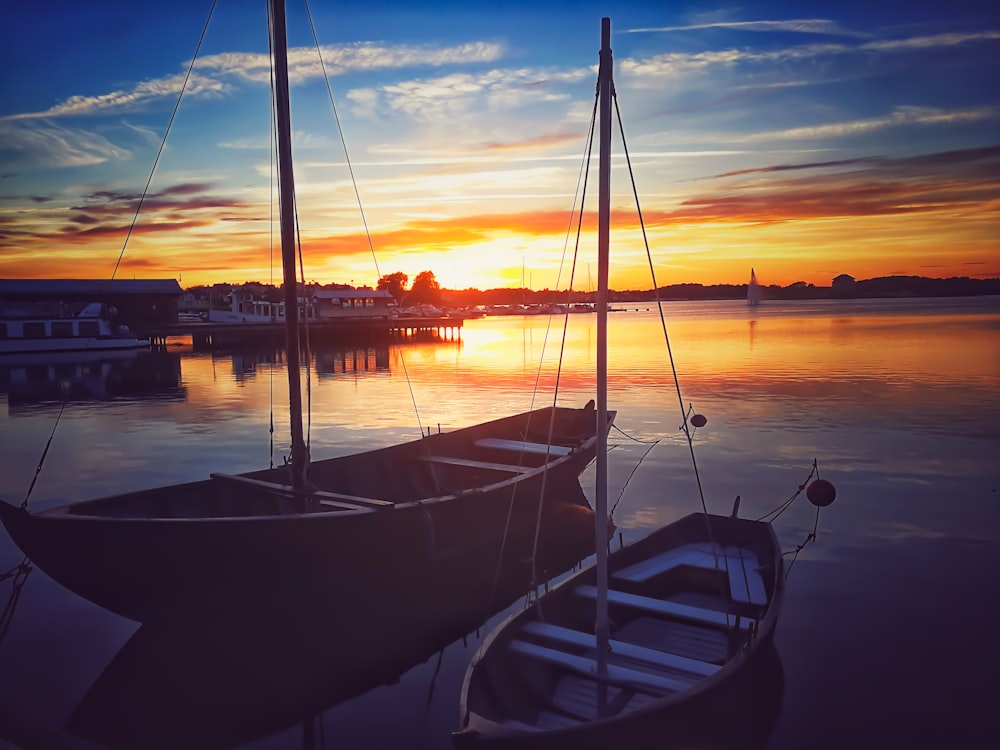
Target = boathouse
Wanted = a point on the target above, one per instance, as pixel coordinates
(139, 302)
(363, 302)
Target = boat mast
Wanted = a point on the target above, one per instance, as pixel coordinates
(604, 88)
(286, 201)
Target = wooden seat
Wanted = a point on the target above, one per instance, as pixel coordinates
(671, 609)
(524, 447)
(328, 499)
(470, 463)
(620, 648)
(587, 667)
(745, 582)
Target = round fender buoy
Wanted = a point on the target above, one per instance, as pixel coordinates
(821, 493)
(699, 420)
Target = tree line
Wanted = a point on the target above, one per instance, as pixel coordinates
(425, 289)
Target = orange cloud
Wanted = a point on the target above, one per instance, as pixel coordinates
(932, 214)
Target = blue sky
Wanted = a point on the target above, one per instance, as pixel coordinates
(804, 139)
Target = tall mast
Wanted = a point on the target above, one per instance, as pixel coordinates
(286, 201)
(604, 89)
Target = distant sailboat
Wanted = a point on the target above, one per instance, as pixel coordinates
(753, 290)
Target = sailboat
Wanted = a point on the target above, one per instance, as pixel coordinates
(653, 627)
(753, 290)
(337, 524)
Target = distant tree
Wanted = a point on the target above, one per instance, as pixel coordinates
(425, 289)
(394, 283)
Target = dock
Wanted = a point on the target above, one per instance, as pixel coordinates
(333, 330)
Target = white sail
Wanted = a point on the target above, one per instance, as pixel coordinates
(753, 290)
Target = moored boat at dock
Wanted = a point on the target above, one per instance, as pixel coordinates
(90, 329)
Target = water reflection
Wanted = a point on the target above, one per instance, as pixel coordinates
(49, 379)
(358, 361)
(897, 400)
(246, 669)
(325, 360)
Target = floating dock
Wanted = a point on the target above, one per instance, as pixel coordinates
(214, 335)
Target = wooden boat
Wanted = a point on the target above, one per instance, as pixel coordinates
(651, 628)
(339, 523)
(364, 516)
(691, 605)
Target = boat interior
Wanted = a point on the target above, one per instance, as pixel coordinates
(437, 465)
(677, 618)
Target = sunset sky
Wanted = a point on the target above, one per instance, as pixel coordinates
(803, 139)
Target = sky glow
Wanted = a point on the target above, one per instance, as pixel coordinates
(804, 140)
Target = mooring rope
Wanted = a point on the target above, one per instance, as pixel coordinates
(773, 515)
(20, 575)
(810, 537)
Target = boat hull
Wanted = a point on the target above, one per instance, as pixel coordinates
(528, 685)
(200, 544)
(73, 344)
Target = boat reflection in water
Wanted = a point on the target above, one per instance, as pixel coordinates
(227, 675)
(35, 379)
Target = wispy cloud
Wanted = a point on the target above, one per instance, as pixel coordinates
(875, 186)
(450, 95)
(932, 41)
(800, 26)
(899, 117)
(972, 161)
(216, 75)
(795, 167)
(141, 94)
(678, 63)
(50, 145)
(103, 214)
(303, 63)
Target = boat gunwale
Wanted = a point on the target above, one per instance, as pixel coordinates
(73, 510)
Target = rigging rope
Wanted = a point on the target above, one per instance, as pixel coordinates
(343, 141)
(659, 306)
(121, 254)
(273, 143)
(163, 141)
(361, 208)
(628, 479)
(305, 327)
(41, 460)
(581, 195)
(685, 413)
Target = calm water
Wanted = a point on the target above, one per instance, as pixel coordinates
(886, 638)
